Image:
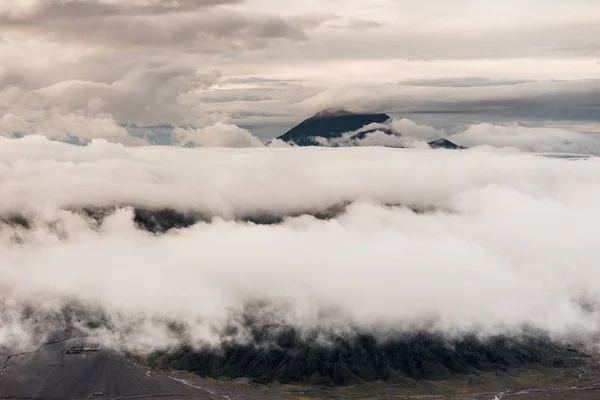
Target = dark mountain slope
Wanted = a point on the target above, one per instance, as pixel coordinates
(363, 135)
(333, 124)
(444, 144)
(330, 124)
(286, 356)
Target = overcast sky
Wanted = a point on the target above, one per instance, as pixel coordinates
(265, 64)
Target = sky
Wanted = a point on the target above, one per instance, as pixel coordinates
(263, 66)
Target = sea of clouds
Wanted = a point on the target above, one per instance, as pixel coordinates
(82, 129)
(481, 240)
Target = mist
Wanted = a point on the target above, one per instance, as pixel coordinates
(480, 241)
(510, 136)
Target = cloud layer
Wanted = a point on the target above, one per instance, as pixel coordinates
(481, 240)
(499, 241)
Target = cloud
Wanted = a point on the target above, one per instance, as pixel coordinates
(380, 138)
(461, 267)
(218, 135)
(551, 100)
(70, 128)
(11, 124)
(84, 128)
(286, 167)
(29, 11)
(543, 140)
(463, 82)
(65, 127)
(406, 133)
(188, 25)
(212, 71)
(147, 94)
(278, 143)
(358, 24)
(394, 133)
(412, 130)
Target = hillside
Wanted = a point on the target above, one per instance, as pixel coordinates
(330, 124)
(323, 128)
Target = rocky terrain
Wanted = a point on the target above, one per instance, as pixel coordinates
(286, 356)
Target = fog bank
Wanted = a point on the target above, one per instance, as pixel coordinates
(500, 241)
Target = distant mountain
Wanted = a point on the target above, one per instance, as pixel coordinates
(333, 124)
(444, 144)
(330, 124)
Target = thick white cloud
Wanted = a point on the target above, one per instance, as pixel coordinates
(71, 127)
(63, 127)
(279, 143)
(543, 140)
(149, 94)
(12, 124)
(218, 135)
(512, 242)
(407, 133)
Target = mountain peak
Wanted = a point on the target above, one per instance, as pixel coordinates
(330, 123)
(444, 144)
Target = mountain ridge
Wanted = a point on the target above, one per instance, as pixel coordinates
(331, 124)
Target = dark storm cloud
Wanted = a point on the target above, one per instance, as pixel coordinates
(187, 25)
(44, 10)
